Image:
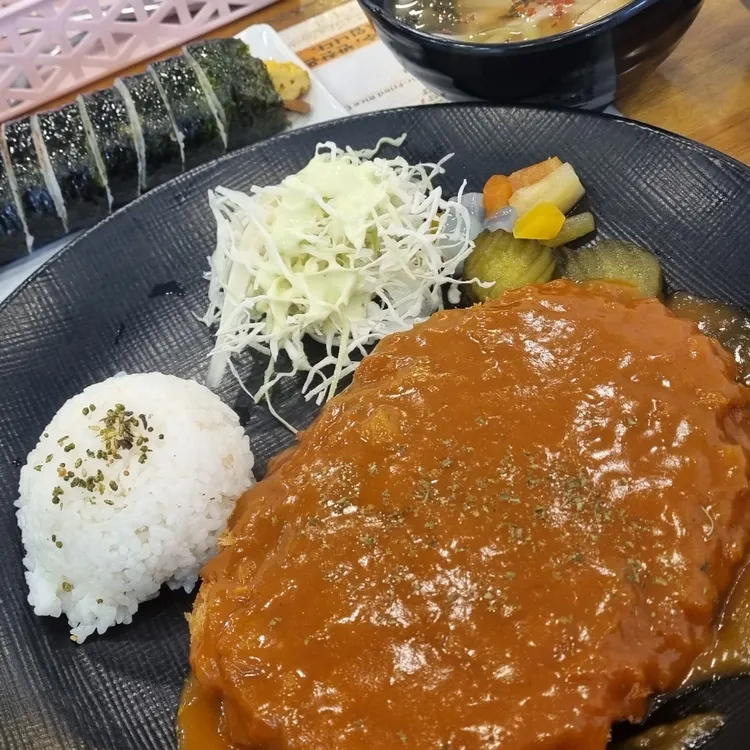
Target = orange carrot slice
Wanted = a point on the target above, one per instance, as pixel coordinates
(529, 175)
(496, 193)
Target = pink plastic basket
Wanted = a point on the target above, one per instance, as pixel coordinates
(49, 48)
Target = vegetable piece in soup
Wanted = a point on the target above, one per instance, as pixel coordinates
(500, 21)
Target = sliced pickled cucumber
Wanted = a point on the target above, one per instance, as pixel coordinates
(611, 260)
(508, 262)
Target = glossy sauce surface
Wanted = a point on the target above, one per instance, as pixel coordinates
(685, 734)
(199, 720)
(728, 324)
(514, 527)
(729, 654)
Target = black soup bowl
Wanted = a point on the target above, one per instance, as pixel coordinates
(586, 67)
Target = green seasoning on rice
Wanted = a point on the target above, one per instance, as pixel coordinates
(128, 488)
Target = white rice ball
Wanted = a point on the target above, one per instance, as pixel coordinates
(128, 488)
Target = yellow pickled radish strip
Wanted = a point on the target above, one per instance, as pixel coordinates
(543, 222)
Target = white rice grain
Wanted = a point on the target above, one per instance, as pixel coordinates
(102, 540)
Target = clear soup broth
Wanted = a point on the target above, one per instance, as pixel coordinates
(499, 21)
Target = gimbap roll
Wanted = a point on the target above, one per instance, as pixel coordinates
(110, 134)
(66, 156)
(250, 106)
(13, 237)
(195, 120)
(213, 100)
(43, 221)
(153, 127)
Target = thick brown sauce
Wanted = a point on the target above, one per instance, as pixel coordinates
(691, 733)
(729, 654)
(199, 720)
(200, 715)
(728, 324)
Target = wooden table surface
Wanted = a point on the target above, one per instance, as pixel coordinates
(702, 91)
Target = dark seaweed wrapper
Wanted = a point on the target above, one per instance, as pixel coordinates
(42, 221)
(163, 156)
(114, 135)
(191, 110)
(241, 82)
(12, 234)
(82, 187)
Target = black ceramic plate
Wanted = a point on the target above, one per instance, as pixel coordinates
(99, 308)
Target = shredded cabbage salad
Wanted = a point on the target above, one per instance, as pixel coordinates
(351, 248)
